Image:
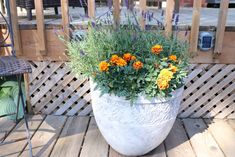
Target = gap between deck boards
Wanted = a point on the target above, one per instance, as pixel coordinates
(61, 136)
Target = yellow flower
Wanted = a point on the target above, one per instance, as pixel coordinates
(127, 57)
(173, 57)
(133, 58)
(138, 65)
(157, 49)
(121, 62)
(104, 66)
(114, 59)
(164, 59)
(162, 83)
(166, 74)
(173, 68)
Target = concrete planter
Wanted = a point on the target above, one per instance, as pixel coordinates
(137, 129)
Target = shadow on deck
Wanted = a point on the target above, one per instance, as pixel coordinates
(61, 136)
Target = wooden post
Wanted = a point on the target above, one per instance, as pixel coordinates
(195, 26)
(40, 27)
(91, 8)
(221, 26)
(168, 19)
(15, 28)
(65, 18)
(116, 13)
(26, 83)
(142, 12)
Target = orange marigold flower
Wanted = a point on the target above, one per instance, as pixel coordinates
(114, 59)
(127, 57)
(162, 83)
(173, 68)
(173, 57)
(157, 49)
(133, 58)
(104, 66)
(138, 65)
(121, 62)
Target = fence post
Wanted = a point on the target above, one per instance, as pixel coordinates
(40, 27)
(65, 18)
(195, 26)
(142, 12)
(15, 28)
(168, 19)
(91, 8)
(221, 26)
(116, 13)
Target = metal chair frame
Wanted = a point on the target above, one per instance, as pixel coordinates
(19, 76)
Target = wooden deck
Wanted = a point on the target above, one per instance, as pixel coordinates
(61, 136)
(208, 19)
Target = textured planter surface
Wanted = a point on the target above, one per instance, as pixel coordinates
(137, 129)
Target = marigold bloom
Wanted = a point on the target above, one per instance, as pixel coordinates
(173, 68)
(121, 62)
(133, 58)
(138, 65)
(114, 59)
(173, 57)
(127, 57)
(104, 66)
(166, 74)
(157, 49)
(162, 83)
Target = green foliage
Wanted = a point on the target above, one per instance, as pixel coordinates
(8, 99)
(101, 43)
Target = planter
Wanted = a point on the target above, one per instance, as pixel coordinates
(134, 129)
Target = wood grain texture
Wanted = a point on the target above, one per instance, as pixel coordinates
(71, 138)
(5, 127)
(221, 26)
(202, 141)
(157, 152)
(44, 139)
(65, 18)
(116, 13)
(41, 37)
(94, 144)
(15, 28)
(143, 8)
(168, 18)
(177, 143)
(195, 26)
(223, 133)
(15, 143)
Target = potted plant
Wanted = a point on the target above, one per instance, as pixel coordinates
(137, 80)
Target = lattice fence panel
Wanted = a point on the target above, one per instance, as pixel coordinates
(55, 90)
(209, 91)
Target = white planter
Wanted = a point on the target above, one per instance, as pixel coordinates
(137, 129)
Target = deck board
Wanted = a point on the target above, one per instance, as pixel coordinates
(11, 149)
(201, 140)
(71, 138)
(59, 136)
(46, 136)
(177, 143)
(223, 134)
(94, 144)
(5, 127)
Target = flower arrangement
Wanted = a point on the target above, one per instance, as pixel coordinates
(129, 62)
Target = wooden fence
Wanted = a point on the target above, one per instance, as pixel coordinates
(42, 36)
(53, 89)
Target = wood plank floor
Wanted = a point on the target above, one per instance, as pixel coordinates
(209, 16)
(61, 136)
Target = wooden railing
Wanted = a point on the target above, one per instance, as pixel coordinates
(41, 33)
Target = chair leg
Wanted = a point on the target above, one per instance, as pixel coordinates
(56, 10)
(25, 118)
(29, 14)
